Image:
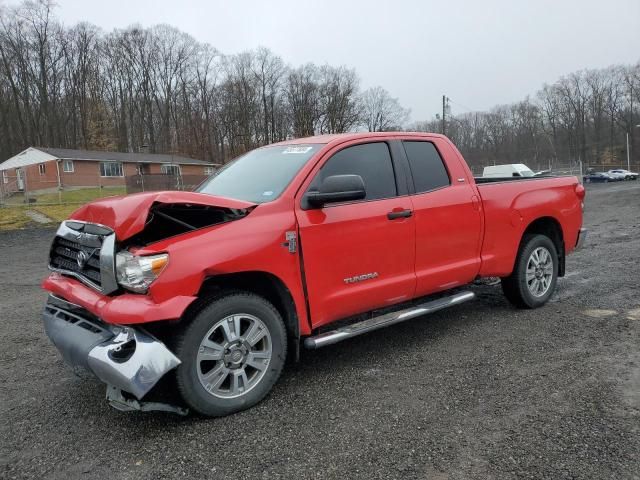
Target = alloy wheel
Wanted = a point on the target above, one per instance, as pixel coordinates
(539, 271)
(234, 355)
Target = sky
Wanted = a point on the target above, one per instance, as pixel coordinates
(477, 53)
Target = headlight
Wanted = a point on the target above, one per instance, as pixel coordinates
(137, 273)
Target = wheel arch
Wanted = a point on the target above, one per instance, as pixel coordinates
(550, 227)
(266, 285)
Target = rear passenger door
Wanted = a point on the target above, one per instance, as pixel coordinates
(358, 256)
(448, 219)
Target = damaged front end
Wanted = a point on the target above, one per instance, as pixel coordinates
(169, 220)
(130, 361)
(89, 324)
(130, 216)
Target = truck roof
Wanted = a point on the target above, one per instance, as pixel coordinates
(344, 137)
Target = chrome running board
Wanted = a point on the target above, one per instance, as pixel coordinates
(375, 323)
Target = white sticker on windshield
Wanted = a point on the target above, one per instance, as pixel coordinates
(268, 193)
(297, 149)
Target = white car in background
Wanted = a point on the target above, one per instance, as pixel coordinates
(621, 174)
(508, 170)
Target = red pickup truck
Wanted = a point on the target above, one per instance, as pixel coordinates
(219, 286)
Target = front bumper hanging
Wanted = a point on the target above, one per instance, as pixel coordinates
(124, 358)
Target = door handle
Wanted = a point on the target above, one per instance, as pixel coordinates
(399, 214)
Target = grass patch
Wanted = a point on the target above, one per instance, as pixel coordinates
(56, 213)
(82, 195)
(13, 218)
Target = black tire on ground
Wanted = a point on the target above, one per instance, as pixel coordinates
(516, 287)
(188, 347)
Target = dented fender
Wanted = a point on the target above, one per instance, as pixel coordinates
(230, 237)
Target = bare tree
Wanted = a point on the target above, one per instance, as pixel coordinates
(269, 70)
(303, 98)
(382, 112)
(338, 100)
(584, 116)
(79, 87)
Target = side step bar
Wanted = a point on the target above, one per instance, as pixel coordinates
(375, 323)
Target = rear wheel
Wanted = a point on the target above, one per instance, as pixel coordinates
(232, 353)
(535, 275)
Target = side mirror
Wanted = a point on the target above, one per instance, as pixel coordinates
(337, 188)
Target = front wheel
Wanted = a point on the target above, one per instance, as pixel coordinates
(535, 275)
(232, 353)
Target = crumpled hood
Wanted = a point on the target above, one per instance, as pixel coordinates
(127, 215)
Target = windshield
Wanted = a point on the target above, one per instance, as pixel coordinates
(260, 175)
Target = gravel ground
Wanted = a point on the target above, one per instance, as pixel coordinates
(479, 391)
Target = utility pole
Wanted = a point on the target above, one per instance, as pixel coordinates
(628, 149)
(444, 112)
(628, 155)
(631, 125)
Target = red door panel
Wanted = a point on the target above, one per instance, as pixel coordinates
(448, 216)
(343, 242)
(448, 236)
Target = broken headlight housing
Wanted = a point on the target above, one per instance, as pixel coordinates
(136, 273)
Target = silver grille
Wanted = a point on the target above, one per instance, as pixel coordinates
(85, 251)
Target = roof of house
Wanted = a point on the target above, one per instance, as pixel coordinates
(33, 155)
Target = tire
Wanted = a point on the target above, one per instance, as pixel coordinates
(587, 180)
(232, 350)
(523, 290)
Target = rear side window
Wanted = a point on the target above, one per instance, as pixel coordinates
(372, 161)
(427, 167)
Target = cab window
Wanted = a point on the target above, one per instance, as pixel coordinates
(372, 161)
(427, 167)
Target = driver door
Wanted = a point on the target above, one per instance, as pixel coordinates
(357, 255)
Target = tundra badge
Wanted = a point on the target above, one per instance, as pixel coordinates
(360, 278)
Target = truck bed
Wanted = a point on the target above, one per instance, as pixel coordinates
(484, 180)
(510, 204)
